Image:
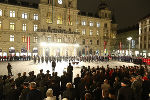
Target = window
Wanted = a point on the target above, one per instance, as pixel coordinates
(35, 39)
(35, 16)
(83, 41)
(59, 20)
(97, 33)
(23, 39)
(12, 13)
(83, 23)
(1, 12)
(0, 24)
(12, 26)
(91, 23)
(48, 39)
(11, 38)
(98, 24)
(35, 27)
(49, 18)
(59, 40)
(83, 32)
(24, 15)
(105, 25)
(97, 42)
(91, 32)
(90, 42)
(24, 27)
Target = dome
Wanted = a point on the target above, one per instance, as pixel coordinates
(103, 5)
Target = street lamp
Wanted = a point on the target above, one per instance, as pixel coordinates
(129, 39)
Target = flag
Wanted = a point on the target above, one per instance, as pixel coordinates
(104, 45)
(28, 43)
(120, 46)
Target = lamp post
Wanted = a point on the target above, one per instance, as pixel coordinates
(129, 39)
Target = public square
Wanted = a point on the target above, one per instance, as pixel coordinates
(27, 66)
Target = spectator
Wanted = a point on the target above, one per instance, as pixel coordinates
(34, 94)
(88, 96)
(25, 91)
(69, 93)
(125, 92)
(49, 95)
(105, 86)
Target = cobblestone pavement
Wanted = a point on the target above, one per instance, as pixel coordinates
(27, 66)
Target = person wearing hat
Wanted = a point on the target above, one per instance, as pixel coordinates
(125, 92)
(48, 74)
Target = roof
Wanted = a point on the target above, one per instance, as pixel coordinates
(23, 3)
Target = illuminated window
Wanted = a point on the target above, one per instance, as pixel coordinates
(49, 18)
(23, 39)
(98, 24)
(12, 13)
(24, 27)
(91, 32)
(83, 32)
(59, 20)
(12, 26)
(35, 39)
(91, 23)
(0, 24)
(1, 12)
(97, 32)
(83, 23)
(36, 17)
(59, 40)
(24, 15)
(11, 38)
(35, 27)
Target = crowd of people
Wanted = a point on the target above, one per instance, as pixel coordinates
(97, 83)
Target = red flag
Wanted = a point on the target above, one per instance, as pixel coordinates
(28, 43)
(120, 46)
(104, 45)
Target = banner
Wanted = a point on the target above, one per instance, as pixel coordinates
(28, 43)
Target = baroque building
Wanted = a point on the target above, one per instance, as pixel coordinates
(144, 36)
(54, 28)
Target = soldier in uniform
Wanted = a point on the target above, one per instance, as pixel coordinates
(42, 59)
(53, 65)
(9, 67)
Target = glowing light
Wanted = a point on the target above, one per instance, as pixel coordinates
(129, 38)
(58, 44)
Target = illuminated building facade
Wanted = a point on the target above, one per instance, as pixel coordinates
(144, 36)
(54, 28)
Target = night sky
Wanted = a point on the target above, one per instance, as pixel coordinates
(127, 12)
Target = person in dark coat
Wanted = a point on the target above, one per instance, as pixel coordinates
(19, 81)
(53, 65)
(77, 81)
(13, 94)
(69, 71)
(9, 67)
(125, 92)
(25, 91)
(69, 93)
(34, 94)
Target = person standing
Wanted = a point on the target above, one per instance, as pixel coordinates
(9, 67)
(34, 94)
(125, 92)
(53, 65)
